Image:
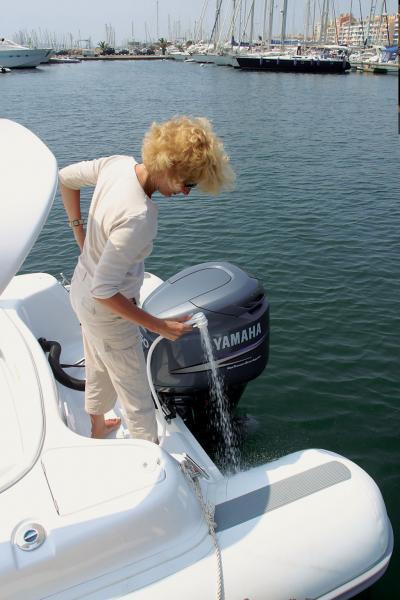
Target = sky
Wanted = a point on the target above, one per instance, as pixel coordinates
(87, 18)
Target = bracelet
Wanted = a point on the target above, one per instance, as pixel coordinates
(76, 222)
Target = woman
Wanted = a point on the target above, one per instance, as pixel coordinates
(177, 155)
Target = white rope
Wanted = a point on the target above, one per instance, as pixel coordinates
(208, 513)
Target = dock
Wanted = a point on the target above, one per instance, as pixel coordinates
(125, 57)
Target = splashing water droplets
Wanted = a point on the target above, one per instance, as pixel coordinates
(228, 451)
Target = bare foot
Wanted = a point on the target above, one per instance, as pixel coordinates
(101, 427)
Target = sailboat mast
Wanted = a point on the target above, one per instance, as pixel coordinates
(361, 21)
(270, 22)
(283, 30)
(157, 34)
(308, 12)
(264, 34)
(214, 33)
(349, 25)
(198, 34)
(232, 31)
(251, 24)
(324, 21)
(216, 29)
(387, 23)
(371, 16)
(378, 37)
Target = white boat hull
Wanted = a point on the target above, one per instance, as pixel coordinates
(202, 57)
(23, 58)
(307, 525)
(378, 68)
(180, 56)
(224, 60)
(121, 518)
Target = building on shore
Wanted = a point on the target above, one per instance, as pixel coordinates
(346, 30)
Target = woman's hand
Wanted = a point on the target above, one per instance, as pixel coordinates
(123, 307)
(172, 330)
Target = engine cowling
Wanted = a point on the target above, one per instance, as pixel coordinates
(237, 311)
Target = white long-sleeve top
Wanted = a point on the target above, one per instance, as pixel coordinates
(121, 227)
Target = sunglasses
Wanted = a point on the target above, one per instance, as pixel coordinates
(190, 185)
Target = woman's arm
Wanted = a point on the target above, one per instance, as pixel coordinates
(123, 307)
(72, 204)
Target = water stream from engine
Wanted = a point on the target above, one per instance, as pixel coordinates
(227, 448)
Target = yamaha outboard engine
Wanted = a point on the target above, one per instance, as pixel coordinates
(238, 322)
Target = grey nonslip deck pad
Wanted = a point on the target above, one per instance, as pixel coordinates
(268, 498)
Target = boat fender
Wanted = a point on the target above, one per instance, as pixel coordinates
(54, 350)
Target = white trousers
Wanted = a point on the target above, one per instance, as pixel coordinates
(115, 364)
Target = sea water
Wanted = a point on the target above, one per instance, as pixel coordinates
(314, 215)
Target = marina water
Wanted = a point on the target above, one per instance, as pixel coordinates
(315, 216)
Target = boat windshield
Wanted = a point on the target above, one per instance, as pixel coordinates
(9, 44)
(21, 403)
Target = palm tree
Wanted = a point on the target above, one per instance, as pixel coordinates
(162, 42)
(103, 47)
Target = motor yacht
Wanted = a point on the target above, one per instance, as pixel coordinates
(15, 56)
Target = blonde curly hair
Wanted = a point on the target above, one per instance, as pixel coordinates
(189, 151)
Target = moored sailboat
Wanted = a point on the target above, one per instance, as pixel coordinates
(294, 63)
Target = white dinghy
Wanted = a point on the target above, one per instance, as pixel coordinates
(124, 518)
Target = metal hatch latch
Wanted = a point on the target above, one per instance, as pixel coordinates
(29, 536)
